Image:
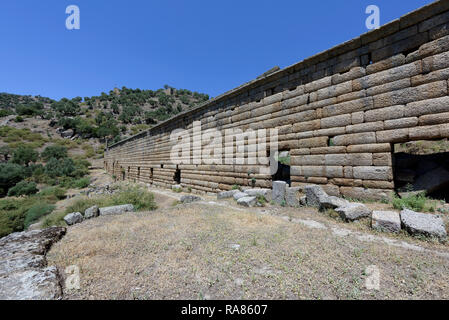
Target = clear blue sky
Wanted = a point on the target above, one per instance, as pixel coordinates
(209, 46)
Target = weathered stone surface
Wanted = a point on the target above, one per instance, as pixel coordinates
(315, 195)
(417, 223)
(353, 211)
(332, 202)
(227, 194)
(73, 218)
(266, 193)
(292, 196)
(279, 190)
(91, 212)
(23, 268)
(239, 195)
(247, 201)
(67, 134)
(373, 173)
(116, 210)
(190, 199)
(387, 221)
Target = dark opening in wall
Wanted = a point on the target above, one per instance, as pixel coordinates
(138, 173)
(422, 166)
(283, 172)
(269, 92)
(151, 174)
(162, 166)
(177, 177)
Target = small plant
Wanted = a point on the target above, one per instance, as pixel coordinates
(261, 200)
(416, 202)
(235, 187)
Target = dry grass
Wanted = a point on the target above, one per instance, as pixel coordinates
(189, 252)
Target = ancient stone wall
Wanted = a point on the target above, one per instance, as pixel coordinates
(338, 113)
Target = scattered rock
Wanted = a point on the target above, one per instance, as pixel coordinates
(236, 247)
(239, 195)
(266, 193)
(116, 209)
(226, 194)
(353, 211)
(279, 190)
(176, 188)
(92, 212)
(387, 221)
(73, 218)
(67, 134)
(315, 195)
(332, 202)
(417, 223)
(23, 267)
(247, 201)
(189, 199)
(292, 196)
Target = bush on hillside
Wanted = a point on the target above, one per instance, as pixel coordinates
(10, 175)
(37, 211)
(23, 188)
(54, 151)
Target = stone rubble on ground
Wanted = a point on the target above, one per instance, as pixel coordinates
(190, 199)
(247, 201)
(429, 225)
(239, 195)
(353, 211)
(73, 218)
(226, 194)
(386, 221)
(91, 212)
(24, 274)
(116, 210)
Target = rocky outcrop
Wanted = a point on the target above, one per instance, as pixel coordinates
(428, 225)
(24, 273)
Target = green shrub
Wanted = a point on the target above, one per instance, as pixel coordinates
(81, 183)
(37, 211)
(416, 202)
(10, 175)
(24, 155)
(23, 188)
(59, 168)
(53, 192)
(54, 151)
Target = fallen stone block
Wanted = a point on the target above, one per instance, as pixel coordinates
(91, 212)
(353, 211)
(332, 202)
(279, 190)
(292, 196)
(226, 194)
(247, 201)
(315, 195)
(386, 221)
(266, 193)
(190, 199)
(73, 218)
(239, 195)
(116, 209)
(417, 223)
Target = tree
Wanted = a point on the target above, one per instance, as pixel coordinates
(59, 168)
(24, 155)
(23, 188)
(10, 175)
(55, 151)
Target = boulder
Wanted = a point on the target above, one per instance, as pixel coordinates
(116, 209)
(239, 195)
(292, 196)
(190, 199)
(266, 193)
(91, 212)
(23, 267)
(387, 221)
(279, 190)
(417, 223)
(332, 202)
(226, 194)
(73, 218)
(315, 195)
(247, 201)
(67, 134)
(353, 211)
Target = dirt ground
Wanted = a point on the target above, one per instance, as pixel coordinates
(215, 250)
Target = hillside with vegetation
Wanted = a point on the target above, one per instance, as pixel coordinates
(47, 146)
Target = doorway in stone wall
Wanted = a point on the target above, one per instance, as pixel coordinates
(283, 172)
(177, 176)
(422, 166)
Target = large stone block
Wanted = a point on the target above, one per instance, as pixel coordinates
(353, 211)
(116, 209)
(292, 196)
(373, 173)
(73, 218)
(430, 106)
(226, 194)
(266, 193)
(387, 221)
(417, 223)
(247, 201)
(279, 189)
(355, 138)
